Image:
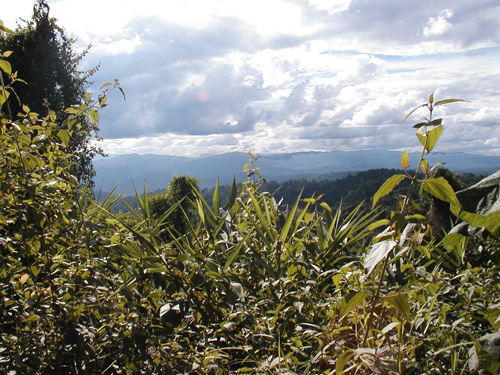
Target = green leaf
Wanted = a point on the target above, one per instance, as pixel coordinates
(429, 139)
(378, 224)
(351, 301)
(441, 189)
(387, 187)
(70, 110)
(424, 250)
(289, 221)
(456, 244)
(5, 29)
(486, 361)
(405, 160)
(423, 128)
(491, 221)
(400, 302)
(342, 361)
(5, 66)
(216, 198)
(63, 136)
(4, 95)
(233, 191)
(326, 206)
(425, 166)
(94, 115)
(236, 252)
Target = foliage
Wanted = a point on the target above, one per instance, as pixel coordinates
(44, 57)
(250, 285)
(55, 289)
(180, 193)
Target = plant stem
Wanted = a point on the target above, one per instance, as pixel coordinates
(386, 260)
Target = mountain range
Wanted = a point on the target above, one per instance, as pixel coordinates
(123, 171)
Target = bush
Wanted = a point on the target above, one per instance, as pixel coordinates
(247, 286)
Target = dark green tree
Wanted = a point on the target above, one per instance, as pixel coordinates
(44, 57)
(181, 192)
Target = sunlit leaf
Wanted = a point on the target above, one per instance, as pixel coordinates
(456, 243)
(289, 220)
(387, 187)
(378, 224)
(167, 307)
(351, 301)
(377, 253)
(490, 221)
(342, 361)
(94, 115)
(405, 160)
(5, 66)
(4, 95)
(428, 137)
(326, 206)
(423, 128)
(63, 136)
(441, 189)
(5, 29)
(216, 198)
(24, 277)
(425, 166)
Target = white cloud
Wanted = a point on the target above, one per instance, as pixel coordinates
(11, 14)
(332, 7)
(283, 75)
(116, 47)
(438, 25)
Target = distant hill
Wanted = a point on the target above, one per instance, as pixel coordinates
(157, 170)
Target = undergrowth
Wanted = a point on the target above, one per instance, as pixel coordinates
(248, 286)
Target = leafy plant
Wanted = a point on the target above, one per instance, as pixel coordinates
(243, 284)
(45, 57)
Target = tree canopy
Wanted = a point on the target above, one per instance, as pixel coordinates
(44, 56)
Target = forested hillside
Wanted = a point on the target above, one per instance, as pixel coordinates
(239, 283)
(351, 190)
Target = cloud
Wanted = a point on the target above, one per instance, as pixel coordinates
(438, 25)
(276, 75)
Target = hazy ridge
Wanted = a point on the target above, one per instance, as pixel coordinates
(157, 170)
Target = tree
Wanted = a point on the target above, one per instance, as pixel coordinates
(181, 191)
(45, 58)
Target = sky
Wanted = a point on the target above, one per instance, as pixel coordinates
(272, 76)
